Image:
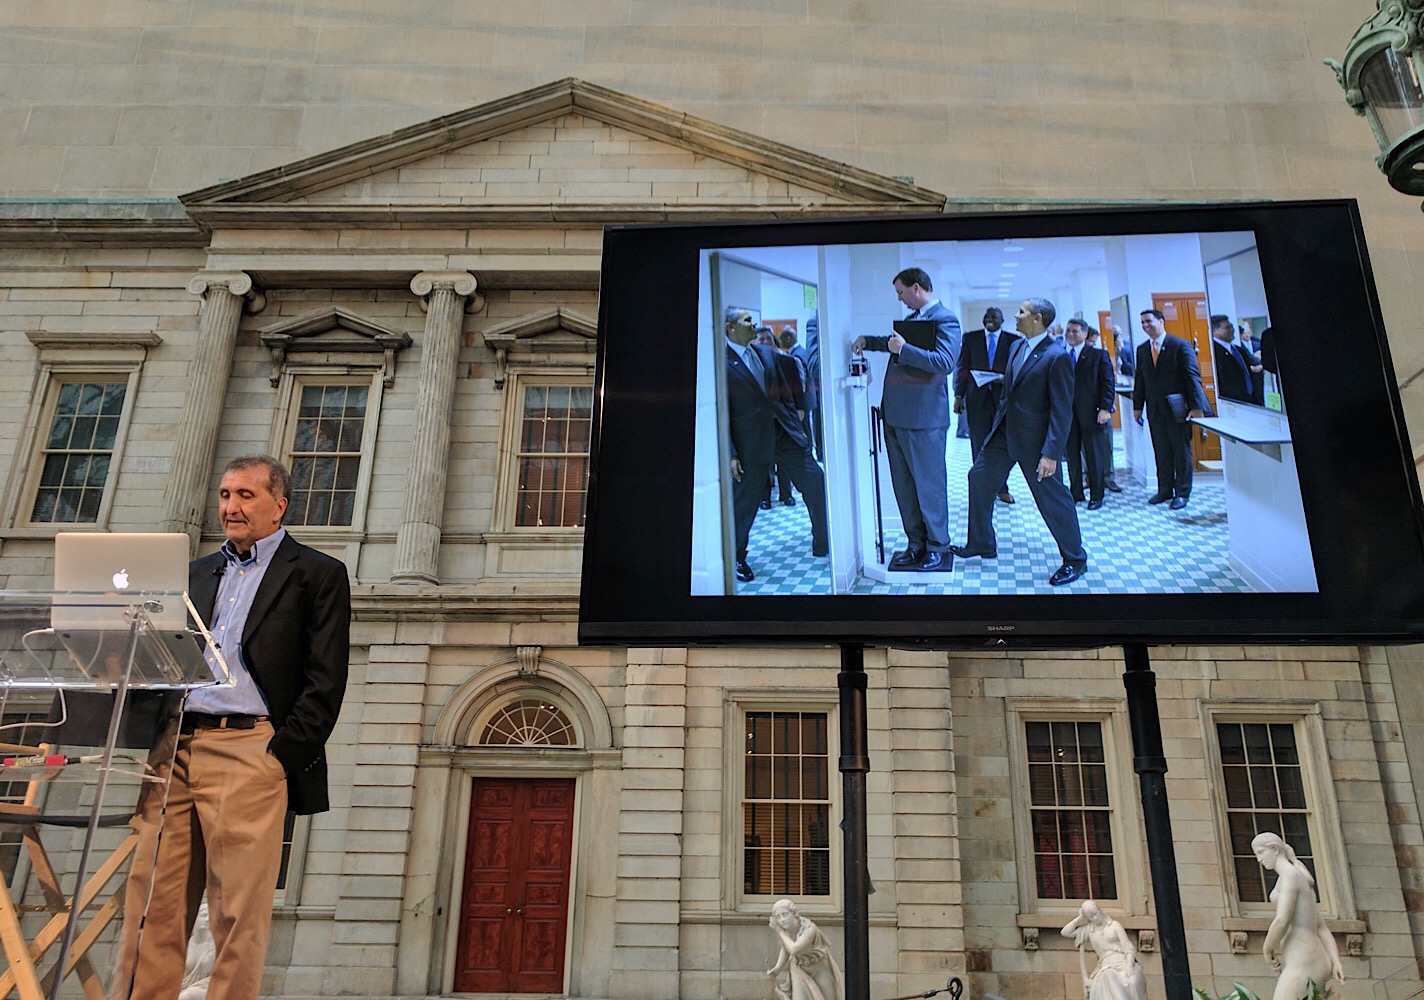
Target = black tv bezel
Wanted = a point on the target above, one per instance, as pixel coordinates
(1315, 265)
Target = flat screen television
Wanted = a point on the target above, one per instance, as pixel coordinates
(1302, 524)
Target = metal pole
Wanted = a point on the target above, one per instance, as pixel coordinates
(1150, 763)
(854, 763)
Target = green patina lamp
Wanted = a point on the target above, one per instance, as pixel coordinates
(1381, 74)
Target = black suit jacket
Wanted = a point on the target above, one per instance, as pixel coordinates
(1092, 387)
(296, 645)
(1175, 372)
(750, 416)
(974, 356)
(1234, 379)
(1036, 410)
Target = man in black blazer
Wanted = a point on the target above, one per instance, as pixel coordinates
(1092, 412)
(1168, 383)
(765, 417)
(241, 755)
(1030, 430)
(915, 406)
(1238, 371)
(985, 350)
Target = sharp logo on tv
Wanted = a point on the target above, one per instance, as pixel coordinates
(1075, 424)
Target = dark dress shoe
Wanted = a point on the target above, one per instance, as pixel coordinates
(744, 572)
(1112, 486)
(1159, 498)
(1006, 497)
(934, 561)
(1178, 503)
(818, 553)
(765, 505)
(965, 552)
(1077, 498)
(1095, 505)
(788, 501)
(1067, 573)
(906, 559)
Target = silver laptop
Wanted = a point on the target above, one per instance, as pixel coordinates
(113, 572)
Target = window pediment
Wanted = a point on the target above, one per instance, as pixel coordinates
(333, 331)
(542, 336)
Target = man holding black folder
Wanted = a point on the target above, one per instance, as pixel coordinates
(915, 404)
(1168, 383)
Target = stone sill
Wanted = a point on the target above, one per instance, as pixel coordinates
(1259, 925)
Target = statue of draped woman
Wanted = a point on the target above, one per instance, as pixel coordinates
(1118, 974)
(812, 971)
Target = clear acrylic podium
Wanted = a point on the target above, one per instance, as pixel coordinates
(85, 680)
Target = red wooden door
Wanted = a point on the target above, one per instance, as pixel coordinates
(514, 910)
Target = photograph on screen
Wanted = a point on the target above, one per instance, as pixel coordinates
(855, 400)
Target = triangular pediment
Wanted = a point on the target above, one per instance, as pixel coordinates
(332, 331)
(566, 152)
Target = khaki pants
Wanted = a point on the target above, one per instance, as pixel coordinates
(221, 830)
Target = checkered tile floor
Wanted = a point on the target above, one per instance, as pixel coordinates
(1133, 547)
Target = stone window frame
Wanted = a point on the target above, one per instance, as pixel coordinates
(553, 346)
(736, 706)
(296, 376)
(507, 490)
(66, 358)
(1337, 901)
(289, 895)
(332, 345)
(1130, 904)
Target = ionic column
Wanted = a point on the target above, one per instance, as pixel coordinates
(418, 540)
(184, 495)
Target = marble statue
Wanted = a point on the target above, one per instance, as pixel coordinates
(202, 953)
(812, 972)
(1298, 944)
(1118, 974)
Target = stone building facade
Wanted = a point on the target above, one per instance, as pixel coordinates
(397, 310)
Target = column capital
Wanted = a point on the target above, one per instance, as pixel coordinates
(237, 282)
(461, 282)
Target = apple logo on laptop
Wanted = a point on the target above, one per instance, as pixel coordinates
(121, 580)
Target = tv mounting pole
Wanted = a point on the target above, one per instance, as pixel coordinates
(854, 765)
(1150, 762)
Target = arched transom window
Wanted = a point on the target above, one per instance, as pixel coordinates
(529, 722)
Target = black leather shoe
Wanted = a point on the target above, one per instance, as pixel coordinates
(1077, 498)
(1112, 486)
(906, 558)
(788, 501)
(744, 572)
(1159, 498)
(935, 561)
(818, 553)
(965, 552)
(1006, 497)
(1095, 505)
(1067, 573)
(765, 505)
(1178, 503)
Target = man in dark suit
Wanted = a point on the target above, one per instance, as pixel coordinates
(1238, 371)
(241, 755)
(1092, 413)
(985, 350)
(1168, 383)
(765, 410)
(1030, 430)
(915, 404)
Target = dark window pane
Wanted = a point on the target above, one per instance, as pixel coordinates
(91, 397)
(1233, 750)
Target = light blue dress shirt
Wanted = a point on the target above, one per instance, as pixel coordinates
(241, 578)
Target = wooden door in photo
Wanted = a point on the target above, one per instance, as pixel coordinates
(1184, 315)
(514, 909)
(1107, 340)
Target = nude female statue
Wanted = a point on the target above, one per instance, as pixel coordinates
(1118, 975)
(806, 954)
(1298, 944)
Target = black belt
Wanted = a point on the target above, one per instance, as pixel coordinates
(193, 721)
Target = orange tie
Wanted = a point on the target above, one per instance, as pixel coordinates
(1154, 353)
